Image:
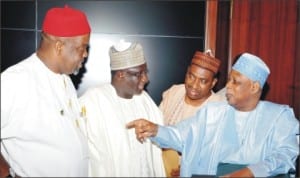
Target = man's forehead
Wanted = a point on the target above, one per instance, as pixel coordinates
(237, 74)
(196, 67)
(137, 68)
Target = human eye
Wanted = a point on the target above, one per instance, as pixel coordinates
(137, 74)
(203, 81)
(236, 82)
(231, 80)
(134, 74)
(146, 71)
(81, 49)
(190, 76)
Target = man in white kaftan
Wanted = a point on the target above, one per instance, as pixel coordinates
(40, 122)
(42, 132)
(114, 150)
(259, 137)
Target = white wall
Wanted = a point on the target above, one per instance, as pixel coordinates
(98, 63)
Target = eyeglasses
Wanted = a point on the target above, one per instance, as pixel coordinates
(137, 74)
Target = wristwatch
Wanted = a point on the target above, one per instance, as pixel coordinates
(11, 172)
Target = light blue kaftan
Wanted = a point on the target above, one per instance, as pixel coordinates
(268, 144)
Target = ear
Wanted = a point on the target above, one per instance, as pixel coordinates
(120, 74)
(58, 46)
(255, 87)
(215, 80)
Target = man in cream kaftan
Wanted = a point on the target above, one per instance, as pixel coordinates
(182, 101)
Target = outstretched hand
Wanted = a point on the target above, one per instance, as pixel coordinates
(143, 128)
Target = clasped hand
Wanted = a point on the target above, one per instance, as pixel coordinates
(143, 129)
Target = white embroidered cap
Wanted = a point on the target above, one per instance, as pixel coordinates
(125, 55)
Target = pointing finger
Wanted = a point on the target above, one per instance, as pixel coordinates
(131, 124)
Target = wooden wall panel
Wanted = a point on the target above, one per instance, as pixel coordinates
(268, 29)
(296, 87)
(222, 38)
(210, 25)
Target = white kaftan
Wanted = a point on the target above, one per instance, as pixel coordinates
(40, 120)
(114, 149)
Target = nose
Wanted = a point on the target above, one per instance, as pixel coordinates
(85, 54)
(195, 83)
(144, 78)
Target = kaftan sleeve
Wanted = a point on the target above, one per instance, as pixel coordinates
(183, 133)
(13, 99)
(168, 137)
(7, 98)
(285, 147)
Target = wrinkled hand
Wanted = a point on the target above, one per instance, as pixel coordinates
(143, 129)
(246, 172)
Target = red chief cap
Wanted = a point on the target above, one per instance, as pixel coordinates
(66, 22)
(207, 61)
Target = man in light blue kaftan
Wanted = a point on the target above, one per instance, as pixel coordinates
(244, 130)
